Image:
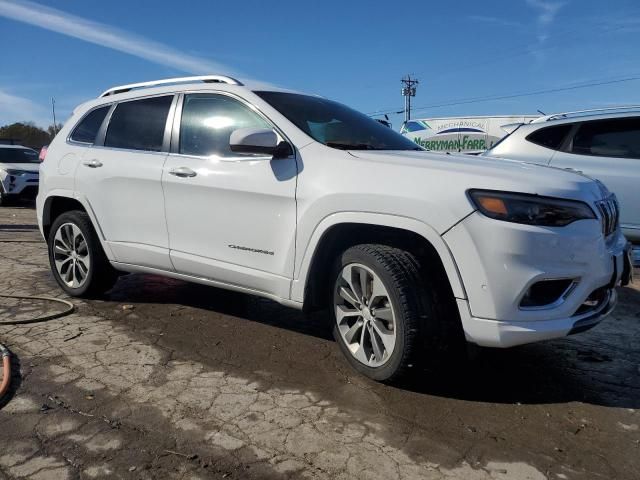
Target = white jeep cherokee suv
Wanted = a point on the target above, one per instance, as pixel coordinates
(305, 201)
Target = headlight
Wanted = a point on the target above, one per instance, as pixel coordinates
(15, 173)
(530, 209)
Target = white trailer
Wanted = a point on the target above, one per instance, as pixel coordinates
(461, 134)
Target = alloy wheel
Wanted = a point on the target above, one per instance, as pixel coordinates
(71, 255)
(365, 315)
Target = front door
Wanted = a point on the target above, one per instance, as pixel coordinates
(231, 217)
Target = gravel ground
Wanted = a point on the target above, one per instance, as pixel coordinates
(165, 379)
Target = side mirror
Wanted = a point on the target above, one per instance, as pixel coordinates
(258, 140)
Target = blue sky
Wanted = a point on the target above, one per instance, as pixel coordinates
(352, 51)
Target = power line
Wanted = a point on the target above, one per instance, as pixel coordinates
(587, 83)
(466, 101)
(527, 49)
(529, 94)
(596, 28)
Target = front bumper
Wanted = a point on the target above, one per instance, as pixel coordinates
(500, 261)
(504, 334)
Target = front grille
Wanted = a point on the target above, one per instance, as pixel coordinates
(609, 215)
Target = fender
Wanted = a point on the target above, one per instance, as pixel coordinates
(87, 207)
(303, 262)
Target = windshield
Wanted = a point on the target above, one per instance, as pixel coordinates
(336, 125)
(18, 155)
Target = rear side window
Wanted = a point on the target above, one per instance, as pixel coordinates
(609, 138)
(550, 137)
(139, 124)
(207, 123)
(88, 127)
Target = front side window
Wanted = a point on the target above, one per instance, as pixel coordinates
(609, 138)
(88, 127)
(18, 155)
(336, 125)
(550, 137)
(139, 124)
(209, 119)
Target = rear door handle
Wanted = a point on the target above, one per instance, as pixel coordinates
(92, 163)
(182, 172)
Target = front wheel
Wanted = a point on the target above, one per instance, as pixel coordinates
(379, 306)
(77, 260)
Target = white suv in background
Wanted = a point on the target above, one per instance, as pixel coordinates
(302, 200)
(18, 172)
(603, 143)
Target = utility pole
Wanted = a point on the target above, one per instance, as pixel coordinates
(53, 110)
(408, 91)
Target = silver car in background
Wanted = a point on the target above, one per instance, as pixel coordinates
(603, 144)
(19, 172)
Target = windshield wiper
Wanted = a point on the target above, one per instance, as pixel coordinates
(365, 146)
(353, 146)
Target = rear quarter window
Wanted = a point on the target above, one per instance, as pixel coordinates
(550, 137)
(87, 129)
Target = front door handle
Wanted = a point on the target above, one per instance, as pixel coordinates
(92, 163)
(182, 172)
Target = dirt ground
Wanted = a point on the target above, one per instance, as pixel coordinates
(165, 379)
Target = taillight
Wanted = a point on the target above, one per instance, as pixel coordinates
(43, 153)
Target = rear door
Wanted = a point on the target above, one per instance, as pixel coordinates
(609, 150)
(120, 178)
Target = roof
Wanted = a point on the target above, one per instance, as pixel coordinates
(178, 84)
(473, 117)
(189, 83)
(172, 81)
(620, 111)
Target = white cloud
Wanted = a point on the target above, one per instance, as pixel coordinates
(548, 10)
(107, 36)
(547, 13)
(14, 108)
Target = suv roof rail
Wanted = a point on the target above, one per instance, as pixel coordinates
(169, 81)
(584, 113)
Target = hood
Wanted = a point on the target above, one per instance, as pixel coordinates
(28, 167)
(467, 172)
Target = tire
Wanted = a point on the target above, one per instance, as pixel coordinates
(76, 257)
(419, 327)
(3, 197)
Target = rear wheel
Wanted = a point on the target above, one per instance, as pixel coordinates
(77, 260)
